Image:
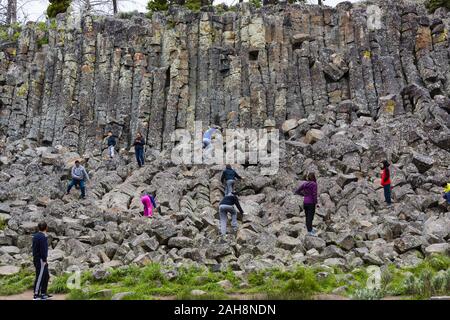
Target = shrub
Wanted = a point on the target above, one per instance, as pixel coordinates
(157, 5)
(57, 6)
(432, 5)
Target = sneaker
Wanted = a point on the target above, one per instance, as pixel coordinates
(35, 297)
(82, 197)
(312, 233)
(222, 240)
(45, 297)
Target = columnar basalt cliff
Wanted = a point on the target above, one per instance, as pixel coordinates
(235, 69)
(348, 87)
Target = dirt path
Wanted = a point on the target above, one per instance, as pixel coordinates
(28, 295)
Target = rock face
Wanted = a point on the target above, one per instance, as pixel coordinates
(347, 88)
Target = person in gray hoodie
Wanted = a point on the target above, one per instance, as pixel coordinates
(79, 175)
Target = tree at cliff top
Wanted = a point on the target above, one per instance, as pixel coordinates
(57, 6)
(157, 5)
(432, 5)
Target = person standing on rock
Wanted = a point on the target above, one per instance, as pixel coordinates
(111, 141)
(447, 192)
(79, 175)
(40, 252)
(148, 200)
(227, 206)
(139, 144)
(229, 176)
(308, 190)
(386, 181)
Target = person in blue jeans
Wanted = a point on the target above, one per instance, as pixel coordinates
(139, 144)
(79, 175)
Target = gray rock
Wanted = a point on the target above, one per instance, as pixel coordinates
(407, 243)
(440, 248)
(121, 295)
(422, 162)
(312, 242)
(9, 270)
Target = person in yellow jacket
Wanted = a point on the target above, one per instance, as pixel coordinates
(447, 192)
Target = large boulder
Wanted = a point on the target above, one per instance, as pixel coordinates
(422, 162)
(439, 248)
(9, 270)
(288, 243)
(312, 242)
(407, 243)
(313, 136)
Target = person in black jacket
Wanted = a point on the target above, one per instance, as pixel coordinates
(111, 141)
(229, 176)
(227, 206)
(139, 144)
(40, 251)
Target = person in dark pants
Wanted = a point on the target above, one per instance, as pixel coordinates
(40, 250)
(308, 189)
(111, 141)
(227, 206)
(229, 176)
(79, 175)
(139, 144)
(386, 181)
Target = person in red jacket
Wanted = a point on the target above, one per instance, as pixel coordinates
(386, 182)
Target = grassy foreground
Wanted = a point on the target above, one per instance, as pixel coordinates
(431, 277)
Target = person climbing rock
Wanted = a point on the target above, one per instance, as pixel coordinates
(386, 181)
(139, 143)
(207, 136)
(148, 200)
(308, 190)
(111, 142)
(227, 206)
(229, 176)
(447, 192)
(79, 175)
(40, 251)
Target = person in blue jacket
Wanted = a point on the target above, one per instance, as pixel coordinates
(40, 252)
(229, 176)
(139, 144)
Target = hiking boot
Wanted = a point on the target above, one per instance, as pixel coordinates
(312, 233)
(82, 197)
(222, 240)
(45, 297)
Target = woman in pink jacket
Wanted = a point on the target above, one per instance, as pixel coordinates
(149, 203)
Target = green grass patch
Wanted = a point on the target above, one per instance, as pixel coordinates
(430, 277)
(17, 283)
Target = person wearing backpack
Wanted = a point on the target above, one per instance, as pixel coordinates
(227, 206)
(229, 176)
(79, 175)
(308, 190)
(386, 181)
(40, 253)
(111, 142)
(148, 200)
(139, 143)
